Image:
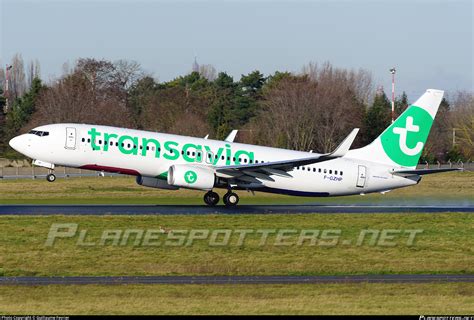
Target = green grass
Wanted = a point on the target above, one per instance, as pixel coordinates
(455, 298)
(446, 245)
(454, 187)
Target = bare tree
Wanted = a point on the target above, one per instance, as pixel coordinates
(314, 110)
(463, 122)
(2, 78)
(33, 71)
(208, 72)
(83, 96)
(127, 73)
(17, 78)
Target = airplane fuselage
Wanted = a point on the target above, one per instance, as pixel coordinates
(150, 154)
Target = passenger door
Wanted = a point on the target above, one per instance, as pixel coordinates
(70, 138)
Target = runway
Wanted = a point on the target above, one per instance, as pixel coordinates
(203, 210)
(111, 280)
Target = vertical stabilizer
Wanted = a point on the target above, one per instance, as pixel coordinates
(402, 143)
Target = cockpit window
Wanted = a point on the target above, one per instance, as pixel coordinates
(39, 133)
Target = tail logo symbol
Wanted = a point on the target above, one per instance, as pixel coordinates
(404, 140)
(409, 127)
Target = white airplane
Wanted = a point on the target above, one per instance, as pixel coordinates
(170, 161)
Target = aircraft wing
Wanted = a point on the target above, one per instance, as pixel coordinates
(253, 171)
(420, 172)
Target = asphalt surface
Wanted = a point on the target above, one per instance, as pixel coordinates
(110, 280)
(240, 209)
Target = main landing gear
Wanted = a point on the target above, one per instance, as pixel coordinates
(231, 199)
(211, 198)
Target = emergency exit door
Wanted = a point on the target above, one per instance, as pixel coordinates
(71, 138)
(361, 176)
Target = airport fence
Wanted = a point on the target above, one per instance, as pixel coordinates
(33, 172)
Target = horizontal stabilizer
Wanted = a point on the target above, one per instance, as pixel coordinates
(420, 172)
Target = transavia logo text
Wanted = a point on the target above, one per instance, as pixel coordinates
(170, 150)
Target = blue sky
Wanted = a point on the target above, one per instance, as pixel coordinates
(430, 42)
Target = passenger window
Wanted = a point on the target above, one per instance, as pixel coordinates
(335, 171)
(325, 171)
(341, 173)
(330, 171)
(88, 140)
(83, 140)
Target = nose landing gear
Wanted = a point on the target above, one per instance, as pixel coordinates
(51, 177)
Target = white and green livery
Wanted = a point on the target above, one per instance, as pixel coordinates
(171, 161)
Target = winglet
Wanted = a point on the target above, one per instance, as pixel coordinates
(231, 136)
(342, 149)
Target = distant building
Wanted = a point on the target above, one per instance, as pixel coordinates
(195, 65)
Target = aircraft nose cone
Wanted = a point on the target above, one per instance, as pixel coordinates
(18, 143)
(15, 143)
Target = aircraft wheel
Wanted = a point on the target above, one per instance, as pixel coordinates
(231, 199)
(51, 177)
(211, 198)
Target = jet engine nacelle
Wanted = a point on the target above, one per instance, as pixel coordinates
(192, 177)
(154, 183)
